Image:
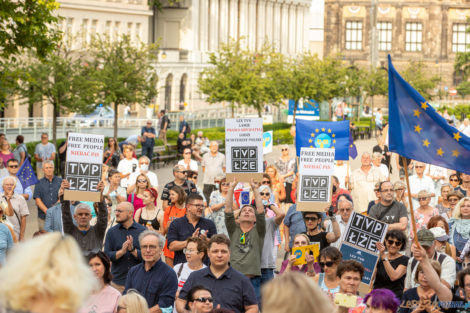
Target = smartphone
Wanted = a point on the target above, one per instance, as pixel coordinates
(134, 167)
(245, 197)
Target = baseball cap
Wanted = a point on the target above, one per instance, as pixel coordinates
(439, 233)
(425, 237)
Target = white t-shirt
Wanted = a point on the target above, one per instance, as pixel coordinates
(383, 169)
(183, 276)
(417, 184)
(341, 172)
(151, 175)
(192, 165)
(126, 166)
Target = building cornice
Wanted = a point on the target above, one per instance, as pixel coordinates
(106, 9)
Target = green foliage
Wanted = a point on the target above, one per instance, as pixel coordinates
(463, 89)
(417, 76)
(28, 24)
(125, 72)
(376, 83)
(458, 110)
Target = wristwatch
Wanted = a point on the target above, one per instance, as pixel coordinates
(386, 259)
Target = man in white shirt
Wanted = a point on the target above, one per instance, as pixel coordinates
(419, 182)
(345, 208)
(377, 163)
(144, 163)
(343, 172)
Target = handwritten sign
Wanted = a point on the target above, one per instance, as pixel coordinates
(83, 166)
(301, 252)
(365, 232)
(316, 166)
(244, 148)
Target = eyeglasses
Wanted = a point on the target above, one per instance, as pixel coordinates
(312, 219)
(285, 149)
(13, 166)
(141, 181)
(419, 166)
(387, 190)
(265, 182)
(243, 238)
(453, 180)
(148, 247)
(194, 177)
(144, 163)
(344, 210)
(225, 184)
(328, 264)
(204, 300)
(399, 189)
(422, 199)
(180, 172)
(83, 214)
(198, 206)
(189, 251)
(187, 153)
(395, 243)
(265, 193)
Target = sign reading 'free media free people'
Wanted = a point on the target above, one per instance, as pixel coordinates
(244, 148)
(83, 167)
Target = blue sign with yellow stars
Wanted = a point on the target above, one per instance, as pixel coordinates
(418, 132)
(313, 134)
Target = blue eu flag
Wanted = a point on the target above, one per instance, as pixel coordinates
(418, 132)
(352, 147)
(26, 174)
(313, 134)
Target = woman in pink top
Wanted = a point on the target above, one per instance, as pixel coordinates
(104, 300)
(424, 213)
(5, 152)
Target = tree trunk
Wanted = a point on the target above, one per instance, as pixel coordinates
(329, 109)
(116, 120)
(232, 106)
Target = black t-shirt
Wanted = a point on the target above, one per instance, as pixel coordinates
(165, 120)
(388, 214)
(400, 161)
(321, 238)
(62, 156)
(410, 300)
(386, 158)
(382, 280)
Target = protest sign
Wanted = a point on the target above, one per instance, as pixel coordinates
(244, 149)
(316, 166)
(364, 231)
(83, 166)
(367, 259)
(301, 252)
(268, 142)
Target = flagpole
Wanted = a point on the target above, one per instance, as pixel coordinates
(413, 222)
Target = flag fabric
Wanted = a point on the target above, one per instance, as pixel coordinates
(418, 132)
(26, 174)
(315, 134)
(352, 147)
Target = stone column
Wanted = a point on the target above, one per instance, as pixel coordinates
(233, 19)
(223, 21)
(261, 29)
(214, 25)
(277, 25)
(243, 23)
(300, 29)
(204, 25)
(252, 23)
(285, 28)
(268, 32)
(292, 29)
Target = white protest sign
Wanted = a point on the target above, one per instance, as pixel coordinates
(83, 167)
(244, 148)
(316, 166)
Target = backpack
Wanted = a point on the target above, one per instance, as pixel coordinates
(440, 259)
(168, 124)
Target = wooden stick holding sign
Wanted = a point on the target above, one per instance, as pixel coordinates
(244, 149)
(83, 167)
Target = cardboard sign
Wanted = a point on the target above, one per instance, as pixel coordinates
(316, 166)
(268, 142)
(347, 301)
(244, 149)
(301, 252)
(364, 232)
(83, 167)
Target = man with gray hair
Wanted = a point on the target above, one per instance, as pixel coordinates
(344, 211)
(153, 278)
(181, 180)
(46, 191)
(144, 164)
(89, 238)
(121, 244)
(213, 165)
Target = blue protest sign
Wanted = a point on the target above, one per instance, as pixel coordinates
(367, 259)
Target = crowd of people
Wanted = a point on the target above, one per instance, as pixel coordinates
(201, 247)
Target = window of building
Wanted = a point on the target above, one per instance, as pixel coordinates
(129, 29)
(84, 32)
(460, 38)
(94, 28)
(107, 30)
(414, 36)
(137, 31)
(116, 30)
(385, 35)
(353, 35)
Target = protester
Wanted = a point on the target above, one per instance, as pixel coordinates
(293, 224)
(216, 210)
(315, 234)
(153, 279)
(199, 300)
(187, 162)
(112, 153)
(337, 191)
(342, 172)
(230, 288)
(294, 293)
(382, 148)
(13, 167)
(424, 212)
(246, 236)
(20, 152)
(193, 176)
(46, 191)
(362, 183)
(455, 180)
(378, 196)
(442, 240)
(142, 183)
(116, 194)
(44, 151)
(401, 195)
(144, 163)
(443, 203)
(182, 143)
(46, 274)
(391, 268)
(213, 165)
(389, 210)
(148, 135)
(419, 182)
(132, 302)
(427, 241)
(6, 241)
(328, 281)
(453, 197)
(183, 126)
(401, 167)
(277, 184)
(5, 153)
(181, 181)
(286, 167)
(350, 274)
(381, 301)
(105, 299)
(164, 126)
(378, 164)
(14, 206)
(300, 240)
(53, 220)
(190, 225)
(460, 225)
(62, 152)
(127, 165)
(464, 188)
(121, 244)
(148, 215)
(344, 211)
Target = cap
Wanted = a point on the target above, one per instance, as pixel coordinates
(439, 234)
(425, 237)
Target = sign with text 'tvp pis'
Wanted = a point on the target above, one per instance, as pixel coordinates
(83, 166)
(244, 149)
(316, 166)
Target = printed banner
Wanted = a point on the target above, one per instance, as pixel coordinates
(367, 259)
(364, 231)
(301, 252)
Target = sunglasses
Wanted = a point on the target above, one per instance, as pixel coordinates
(328, 264)
(225, 184)
(422, 199)
(144, 163)
(453, 200)
(141, 181)
(110, 204)
(394, 243)
(453, 180)
(265, 193)
(204, 300)
(419, 166)
(265, 182)
(284, 149)
(13, 166)
(312, 219)
(243, 239)
(194, 177)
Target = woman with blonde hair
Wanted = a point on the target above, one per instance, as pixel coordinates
(46, 274)
(277, 184)
(460, 225)
(132, 302)
(294, 293)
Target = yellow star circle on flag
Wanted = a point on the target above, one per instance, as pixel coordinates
(440, 151)
(457, 136)
(418, 129)
(417, 113)
(317, 130)
(312, 134)
(424, 105)
(334, 135)
(310, 140)
(426, 143)
(323, 129)
(329, 130)
(455, 153)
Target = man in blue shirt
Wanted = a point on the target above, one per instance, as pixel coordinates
(230, 289)
(153, 279)
(190, 225)
(122, 245)
(293, 224)
(46, 192)
(148, 140)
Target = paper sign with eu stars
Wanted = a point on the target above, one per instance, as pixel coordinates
(418, 132)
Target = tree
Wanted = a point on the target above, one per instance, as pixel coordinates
(416, 75)
(375, 84)
(63, 79)
(125, 72)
